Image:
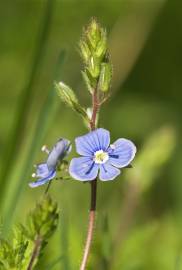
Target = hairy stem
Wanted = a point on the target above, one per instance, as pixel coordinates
(90, 225)
(93, 185)
(35, 253)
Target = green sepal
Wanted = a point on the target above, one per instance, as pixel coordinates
(94, 67)
(87, 81)
(84, 51)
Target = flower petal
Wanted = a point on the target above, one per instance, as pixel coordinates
(98, 139)
(83, 169)
(122, 153)
(108, 172)
(58, 152)
(44, 180)
(41, 170)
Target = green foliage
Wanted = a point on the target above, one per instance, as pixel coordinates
(43, 120)
(154, 245)
(26, 98)
(155, 153)
(135, 247)
(30, 239)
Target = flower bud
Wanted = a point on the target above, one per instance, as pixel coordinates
(93, 48)
(102, 45)
(105, 77)
(66, 94)
(93, 33)
(69, 98)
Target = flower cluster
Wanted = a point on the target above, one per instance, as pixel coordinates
(98, 157)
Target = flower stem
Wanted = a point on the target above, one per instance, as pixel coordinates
(48, 187)
(93, 185)
(35, 253)
(90, 224)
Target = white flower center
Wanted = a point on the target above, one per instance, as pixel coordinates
(100, 157)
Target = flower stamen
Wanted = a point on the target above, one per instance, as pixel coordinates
(100, 157)
(45, 149)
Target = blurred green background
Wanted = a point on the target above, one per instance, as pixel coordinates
(139, 216)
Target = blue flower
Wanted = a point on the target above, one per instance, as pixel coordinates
(47, 171)
(98, 155)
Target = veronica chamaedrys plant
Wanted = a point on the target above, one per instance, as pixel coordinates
(47, 171)
(100, 159)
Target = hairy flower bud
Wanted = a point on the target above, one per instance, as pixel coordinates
(105, 77)
(68, 96)
(94, 33)
(102, 45)
(93, 49)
